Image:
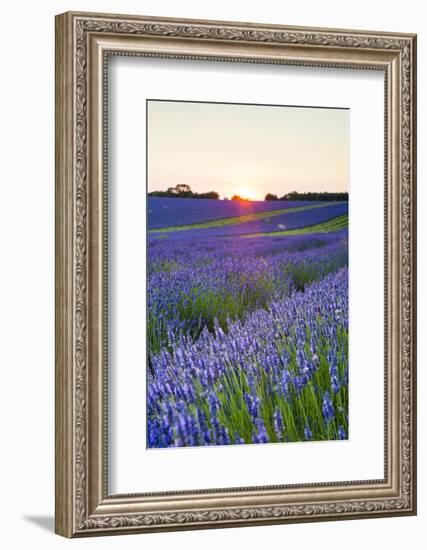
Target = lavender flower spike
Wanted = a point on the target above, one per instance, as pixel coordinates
(328, 408)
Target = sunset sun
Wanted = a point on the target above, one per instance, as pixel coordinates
(246, 193)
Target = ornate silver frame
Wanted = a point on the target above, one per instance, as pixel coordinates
(83, 42)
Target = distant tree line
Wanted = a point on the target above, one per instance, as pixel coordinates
(183, 191)
(294, 196)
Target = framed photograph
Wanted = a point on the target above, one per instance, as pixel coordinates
(235, 274)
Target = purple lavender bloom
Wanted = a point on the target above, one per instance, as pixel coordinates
(333, 369)
(261, 435)
(224, 438)
(286, 380)
(308, 436)
(252, 403)
(238, 440)
(278, 424)
(328, 408)
(299, 382)
(315, 361)
(335, 383)
(214, 404)
(342, 433)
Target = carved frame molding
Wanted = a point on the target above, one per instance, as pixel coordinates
(83, 43)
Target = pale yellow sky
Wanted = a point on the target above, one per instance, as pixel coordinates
(249, 150)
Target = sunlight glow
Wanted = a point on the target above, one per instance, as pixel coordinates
(246, 150)
(247, 193)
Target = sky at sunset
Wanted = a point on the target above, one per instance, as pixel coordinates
(248, 150)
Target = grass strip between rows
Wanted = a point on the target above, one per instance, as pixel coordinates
(334, 224)
(239, 219)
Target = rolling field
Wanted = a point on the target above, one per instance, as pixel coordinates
(164, 212)
(262, 222)
(247, 322)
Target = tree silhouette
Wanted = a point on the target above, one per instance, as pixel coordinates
(183, 191)
(271, 197)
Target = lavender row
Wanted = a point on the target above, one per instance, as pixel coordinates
(164, 212)
(194, 283)
(281, 375)
(280, 222)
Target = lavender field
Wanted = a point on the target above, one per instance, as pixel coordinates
(163, 211)
(247, 323)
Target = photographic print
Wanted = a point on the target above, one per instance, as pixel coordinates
(247, 315)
